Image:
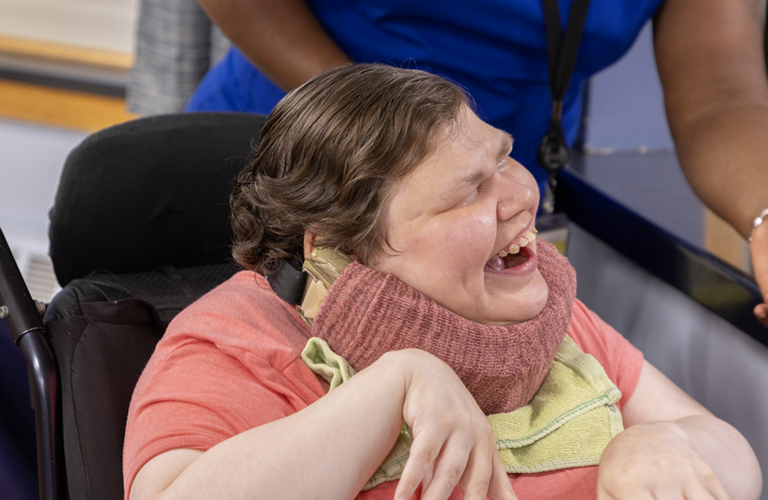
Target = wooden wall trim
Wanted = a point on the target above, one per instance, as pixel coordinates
(50, 51)
(59, 107)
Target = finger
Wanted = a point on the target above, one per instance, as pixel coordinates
(476, 479)
(714, 487)
(761, 311)
(718, 492)
(449, 468)
(621, 491)
(697, 491)
(606, 486)
(428, 477)
(500, 487)
(425, 448)
(602, 492)
(759, 249)
(638, 494)
(604, 496)
(671, 492)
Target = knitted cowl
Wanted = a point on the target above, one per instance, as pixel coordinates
(367, 313)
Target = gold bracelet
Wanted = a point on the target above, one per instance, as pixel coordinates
(758, 220)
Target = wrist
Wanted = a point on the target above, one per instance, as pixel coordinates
(760, 220)
(405, 362)
(413, 366)
(399, 365)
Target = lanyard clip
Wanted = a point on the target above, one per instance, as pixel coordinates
(553, 152)
(548, 201)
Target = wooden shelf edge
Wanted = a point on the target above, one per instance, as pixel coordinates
(59, 107)
(71, 54)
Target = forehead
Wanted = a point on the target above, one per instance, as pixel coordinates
(463, 154)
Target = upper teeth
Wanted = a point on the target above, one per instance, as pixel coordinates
(514, 248)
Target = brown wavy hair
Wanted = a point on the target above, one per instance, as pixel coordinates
(328, 154)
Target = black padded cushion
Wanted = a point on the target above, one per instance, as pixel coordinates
(150, 192)
(103, 329)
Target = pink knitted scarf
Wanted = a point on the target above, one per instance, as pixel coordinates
(367, 313)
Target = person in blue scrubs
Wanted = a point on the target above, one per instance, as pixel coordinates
(709, 54)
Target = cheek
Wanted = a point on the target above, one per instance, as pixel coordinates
(455, 242)
(465, 240)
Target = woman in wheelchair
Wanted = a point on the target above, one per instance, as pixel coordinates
(433, 348)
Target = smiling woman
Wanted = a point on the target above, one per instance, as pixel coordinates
(422, 359)
(435, 208)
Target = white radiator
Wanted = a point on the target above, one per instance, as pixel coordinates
(36, 267)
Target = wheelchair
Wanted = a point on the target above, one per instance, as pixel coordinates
(138, 232)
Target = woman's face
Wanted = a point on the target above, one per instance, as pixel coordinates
(451, 217)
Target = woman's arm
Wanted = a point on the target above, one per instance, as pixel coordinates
(332, 447)
(674, 448)
(710, 59)
(282, 38)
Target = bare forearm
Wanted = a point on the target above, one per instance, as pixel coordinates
(332, 447)
(726, 451)
(710, 59)
(282, 38)
(724, 156)
(327, 450)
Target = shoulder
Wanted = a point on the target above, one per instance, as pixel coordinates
(238, 334)
(621, 361)
(242, 314)
(228, 363)
(238, 331)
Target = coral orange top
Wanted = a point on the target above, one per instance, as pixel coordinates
(232, 361)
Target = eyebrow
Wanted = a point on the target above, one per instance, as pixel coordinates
(474, 177)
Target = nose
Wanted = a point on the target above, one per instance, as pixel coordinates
(516, 192)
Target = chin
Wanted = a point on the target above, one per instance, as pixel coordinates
(522, 306)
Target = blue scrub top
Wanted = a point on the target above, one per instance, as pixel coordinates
(496, 49)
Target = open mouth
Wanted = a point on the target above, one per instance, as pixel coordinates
(515, 255)
(497, 263)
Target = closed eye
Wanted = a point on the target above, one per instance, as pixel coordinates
(469, 198)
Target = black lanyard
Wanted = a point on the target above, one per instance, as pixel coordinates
(562, 50)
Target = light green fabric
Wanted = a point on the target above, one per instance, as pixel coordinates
(568, 423)
(321, 359)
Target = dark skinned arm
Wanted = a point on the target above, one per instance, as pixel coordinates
(282, 38)
(710, 59)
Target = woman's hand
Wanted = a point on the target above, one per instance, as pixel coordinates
(452, 439)
(759, 248)
(655, 460)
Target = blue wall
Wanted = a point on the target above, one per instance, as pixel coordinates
(626, 109)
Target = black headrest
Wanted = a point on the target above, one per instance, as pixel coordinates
(150, 192)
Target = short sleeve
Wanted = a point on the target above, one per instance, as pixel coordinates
(223, 367)
(622, 361)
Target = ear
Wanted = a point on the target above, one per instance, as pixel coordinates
(309, 243)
